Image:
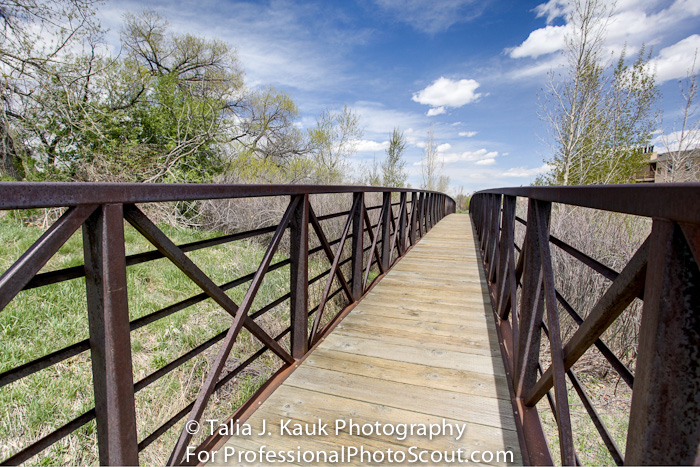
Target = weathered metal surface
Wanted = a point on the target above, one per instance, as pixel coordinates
(26, 267)
(665, 415)
(110, 342)
(566, 442)
(105, 275)
(334, 271)
(676, 201)
(357, 252)
(613, 302)
(240, 318)
(20, 195)
(299, 277)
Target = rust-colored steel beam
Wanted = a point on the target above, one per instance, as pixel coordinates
(110, 342)
(676, 201)
(299, 277)
(613, 302)
(240, 317)
(26, 267)
(22, 195)
(358, 238)
(665, 415)
(664, 422)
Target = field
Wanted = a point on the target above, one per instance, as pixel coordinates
(43, 320)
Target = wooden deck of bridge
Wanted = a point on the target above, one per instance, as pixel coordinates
(420, 348)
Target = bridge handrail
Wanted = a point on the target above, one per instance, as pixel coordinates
(100, 209)
(664, 420)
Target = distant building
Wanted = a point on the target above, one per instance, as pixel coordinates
(676, 166)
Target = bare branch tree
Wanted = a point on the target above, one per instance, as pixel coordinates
(598, 117)
(433, 165)
(681, 163)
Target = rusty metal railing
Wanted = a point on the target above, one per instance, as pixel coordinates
(664, 418)
(100, 210)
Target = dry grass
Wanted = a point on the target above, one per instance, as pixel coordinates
(612, 239)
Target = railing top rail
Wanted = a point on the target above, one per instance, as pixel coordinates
(675, 201)
(23, 195)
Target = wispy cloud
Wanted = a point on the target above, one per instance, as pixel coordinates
(518, 172)
(432, 16)
(277, 42)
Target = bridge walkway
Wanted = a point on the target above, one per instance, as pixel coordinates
(421, 348)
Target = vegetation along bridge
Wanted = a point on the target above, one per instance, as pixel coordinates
(403, 333)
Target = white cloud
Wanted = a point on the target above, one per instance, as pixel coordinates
(363, 145)
(541, 42)
(436, 111)
(633, 24)
(471, 156)
(448, 93)
(444, 147)
(468, 134)
(433, 16)
(488, 161)
(672, 141)
(523, 172)
(673, 62)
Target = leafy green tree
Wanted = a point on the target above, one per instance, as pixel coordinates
(334, 139)
(393, 168)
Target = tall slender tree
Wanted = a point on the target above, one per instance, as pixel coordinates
(599, 117)
(432, 167)
(393, 168)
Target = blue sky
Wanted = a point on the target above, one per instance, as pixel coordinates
(470, 70)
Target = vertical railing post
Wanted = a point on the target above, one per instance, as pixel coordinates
(110, 340)
(386, 229)
(358, 234)
(664, 425)
(506, 271)
(299, 277)
(413, 218)
(495, 235)
(531, 309)
(402, 223)
(429, 211)
(485, 222)
(421, 214)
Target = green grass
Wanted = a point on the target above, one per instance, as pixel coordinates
(49, 318)
(611, 401)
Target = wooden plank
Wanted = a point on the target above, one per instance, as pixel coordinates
(473, 328)
(478, 344)
(309, 406)
(466, 407)
(420, 348)
(467, 382)
(415, 354)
